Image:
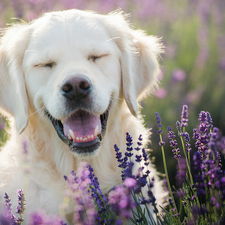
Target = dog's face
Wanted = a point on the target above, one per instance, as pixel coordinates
(76, 70)
(74, 65)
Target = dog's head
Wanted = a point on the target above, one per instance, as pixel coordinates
(74, 67)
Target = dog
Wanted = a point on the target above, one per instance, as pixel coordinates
(70, 83)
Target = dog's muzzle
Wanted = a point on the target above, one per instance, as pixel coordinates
(82, 130)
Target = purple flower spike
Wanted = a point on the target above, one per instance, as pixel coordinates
(197, 159)
(128, 170)
(171, 203)
(121, 201)
(184, 116)
(138, 158)
(178, 127)
(173, 143)
(7, 217)
(181, 172)
(78, 184)
(21, 205)
(118, 154)
(145, 157)
(202, 117)
(158, 120)
(209, 120)
(170, 133)
(187, 140)
(97, 194)
(129, 145)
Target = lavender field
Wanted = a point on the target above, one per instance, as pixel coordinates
(193, 74)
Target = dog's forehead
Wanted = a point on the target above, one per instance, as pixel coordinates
(76, 29)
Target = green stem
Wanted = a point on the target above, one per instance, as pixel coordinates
(187, 161)
(167, 177)
(188, 166)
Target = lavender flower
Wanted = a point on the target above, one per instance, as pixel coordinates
(84, 210)
(99, 197)
(8, 217)
(118, 154)
(40, 217)
(179, 75)
(158, 120)
(205, 121)
(161, 93)
(173, 209)
(202, 137)
(178, 127)
(139, 143)
(173, 143)
(121, 202)
(181, 172)
(128, 172)
(140, 178)
(145, 157)
(129, 145)
(138, 158)
(196, 135)
(130, 182)
(21, 205)
(122, 161)
(197, 159)
(184, 116)
(186, 140)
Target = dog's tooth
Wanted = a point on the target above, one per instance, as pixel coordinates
(92, 136)
(84, 139)
(77, 138)
(88, 136)
(96, 131)
(71, 134)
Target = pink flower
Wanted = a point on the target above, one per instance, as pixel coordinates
(161, 93)
(130, 182)
(179, 75)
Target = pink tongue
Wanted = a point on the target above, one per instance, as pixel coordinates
(82, 124)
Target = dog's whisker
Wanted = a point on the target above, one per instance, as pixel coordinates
(30, 51)
(113, 39)
(36, 112)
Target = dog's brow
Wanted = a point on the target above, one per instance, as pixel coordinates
(112, 39)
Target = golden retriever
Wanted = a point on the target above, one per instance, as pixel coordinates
(70, 83)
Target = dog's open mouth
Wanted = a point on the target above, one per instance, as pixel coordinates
(82, 131)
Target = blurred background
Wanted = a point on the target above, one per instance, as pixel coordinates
(193, 65)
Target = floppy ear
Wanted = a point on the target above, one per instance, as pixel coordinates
(13, 96)
(139, 59)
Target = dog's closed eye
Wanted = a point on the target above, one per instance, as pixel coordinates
(95, 57)
(46, 65)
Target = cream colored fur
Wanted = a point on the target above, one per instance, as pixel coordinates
(128, 73)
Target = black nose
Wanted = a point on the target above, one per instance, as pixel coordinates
(76, 87)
